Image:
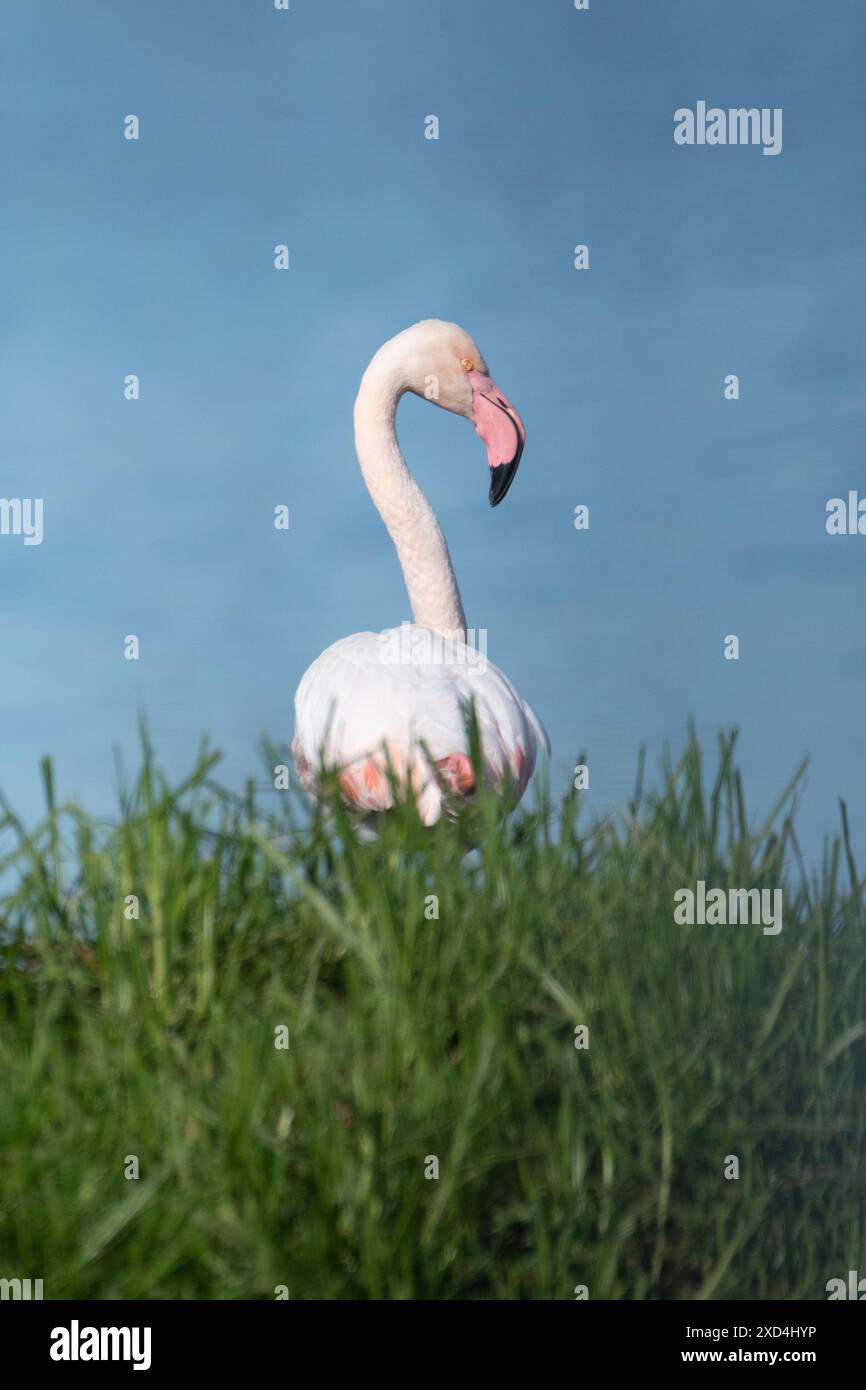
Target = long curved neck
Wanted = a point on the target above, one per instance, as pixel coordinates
(411, 521)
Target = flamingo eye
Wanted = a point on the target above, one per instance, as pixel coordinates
(467, 364)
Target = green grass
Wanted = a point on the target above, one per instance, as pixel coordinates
(412, 1037)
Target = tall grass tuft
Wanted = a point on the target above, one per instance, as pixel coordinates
(430, 999)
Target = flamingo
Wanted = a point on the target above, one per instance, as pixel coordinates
(387, 711)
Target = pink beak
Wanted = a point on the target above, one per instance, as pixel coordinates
(499, 425)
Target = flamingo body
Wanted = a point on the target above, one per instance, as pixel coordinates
(388, 711)
(384, 723)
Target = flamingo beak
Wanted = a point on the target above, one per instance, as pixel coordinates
(497, 422)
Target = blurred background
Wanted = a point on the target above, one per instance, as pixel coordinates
(306, 127)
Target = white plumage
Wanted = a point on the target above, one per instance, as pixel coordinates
(358, 710)
(389, 710)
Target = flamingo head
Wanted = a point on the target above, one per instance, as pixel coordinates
(444, 365)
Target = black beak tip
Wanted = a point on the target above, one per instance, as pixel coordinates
(501, 478)
(498, 484)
